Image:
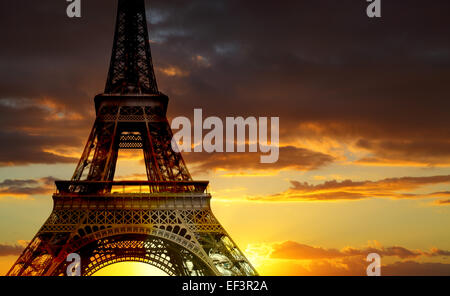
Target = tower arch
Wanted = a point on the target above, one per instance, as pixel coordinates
(164, 254)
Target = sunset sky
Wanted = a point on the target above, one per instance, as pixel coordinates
(364, 112)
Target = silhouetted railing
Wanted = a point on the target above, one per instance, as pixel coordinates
(107, 187)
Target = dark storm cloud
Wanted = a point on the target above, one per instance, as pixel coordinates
(44, 53)
(380, 84)
(21, 148)
(321, 62)
(50, 69)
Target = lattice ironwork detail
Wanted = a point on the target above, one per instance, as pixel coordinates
(195, 231)
(131, 69)
(129, 128)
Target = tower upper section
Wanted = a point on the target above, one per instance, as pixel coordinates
(131, 70)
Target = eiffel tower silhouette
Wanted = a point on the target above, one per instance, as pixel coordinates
(165, 221)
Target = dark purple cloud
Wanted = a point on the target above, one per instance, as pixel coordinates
(289, 158)
(379, 84)
(28, 186)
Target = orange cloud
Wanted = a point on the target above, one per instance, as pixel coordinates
(443, 202)
(294, 250)
(356, 190)
(174, 71)
(292, 258)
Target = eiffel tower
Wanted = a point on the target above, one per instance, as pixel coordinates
(165, 221)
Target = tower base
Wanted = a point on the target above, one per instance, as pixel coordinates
(170, 227)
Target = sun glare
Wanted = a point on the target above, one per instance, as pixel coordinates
(130, 269)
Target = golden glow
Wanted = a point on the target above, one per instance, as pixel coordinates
(130, 269)
(174, 71)
(267, 173)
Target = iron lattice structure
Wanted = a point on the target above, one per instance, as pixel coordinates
(165, 221)
(131, 69)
